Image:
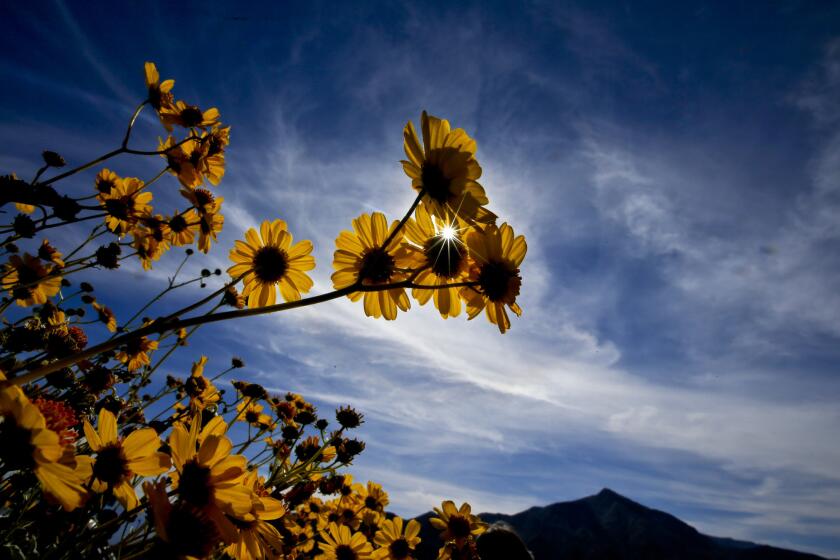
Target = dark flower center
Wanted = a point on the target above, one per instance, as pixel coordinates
(371, 503)
(110, 466)
(190, 531)
(399, 548)
(444, 256)
(252, 417)
(178, 224)
(377, 266)
(194, 486)
(104, 186)
(191, 116)
(495, 281)
(203, 197)
(28, 274)
(270, 264)
(16, 447)
(119, 207)
(435, 182)
(344, 552)
(459, 526)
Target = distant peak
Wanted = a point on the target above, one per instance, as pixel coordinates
(607, 493)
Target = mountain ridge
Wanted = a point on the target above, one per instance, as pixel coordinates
(609, 526)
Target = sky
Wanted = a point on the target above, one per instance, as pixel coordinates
(675, 168)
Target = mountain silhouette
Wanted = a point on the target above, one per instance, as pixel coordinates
(608, 526)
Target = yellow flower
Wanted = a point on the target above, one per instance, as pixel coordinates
(124, 203)
(373, 496)
(135, 353)
(456, 524)
(257, 538)
(362, 258)
(340, 544)
(106, 316)
(208, 477)
(183, 160)
(188, 116)
(268, 259)
(182, 229)
(159, 92)
(394, 544)
(27, 444)
(441, 253)
(497, 255)
(209, 226)
(50, 253)
(201, 390)
(445, 170)
(252, 413)
(29, 281)
(118, 460)
(186, 530)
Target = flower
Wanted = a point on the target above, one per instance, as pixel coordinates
(188, 116)
(207, 209)
(136, 352)
(442, 255)
(257, 538)
(159, 92)
(373, 496)
(105, 315)
(209, 477)
(497, 255)
(106, 180)
(185, 529)
(181, 230)
(124, 203)
(268, 259)
(362, 258)
(27, 444)
(50, 253)
(119, 459)
(340, 544)
(252, 413)
(444, 170)
(29, 281)
(60, 418)
(456, 524)
(201, 390)
(183, 159)
(396, 545)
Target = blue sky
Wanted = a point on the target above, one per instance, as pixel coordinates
(674, 166)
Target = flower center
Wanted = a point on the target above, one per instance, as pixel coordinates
(370, 502)
(435, 182)
(178, 224)
(119, 207)
(194, 486)
(105, 186)
(344, 552)
(252, 417)
(399, 548)
(270, 264)
(203, 197)
(190, 531)
(16, 447)
(443, 256)
(459, 526)
(191, 116)
(377, 266)
(110, 466)
(495, 280)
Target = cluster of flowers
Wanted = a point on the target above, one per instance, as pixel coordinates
(99, 458)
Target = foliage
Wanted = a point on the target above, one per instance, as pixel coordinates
(100, 458)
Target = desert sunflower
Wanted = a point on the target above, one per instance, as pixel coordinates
(159, 92)
(252, 413)
(268, 259)
(396, 544)
(29, 281)
(183, 160)
(441, 253)
(362, 258)
(28, 445)
(456, 524)
(119, 459)
(135, 353)
(445, 170)
(497, 254)
(199, 389)
(182, 229)
(340, 544)
(208, 477)
(188, 116)
(258, 539)
(125, 204)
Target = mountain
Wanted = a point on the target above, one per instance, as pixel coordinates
(608, 526)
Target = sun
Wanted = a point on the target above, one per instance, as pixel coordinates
(448, 233)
